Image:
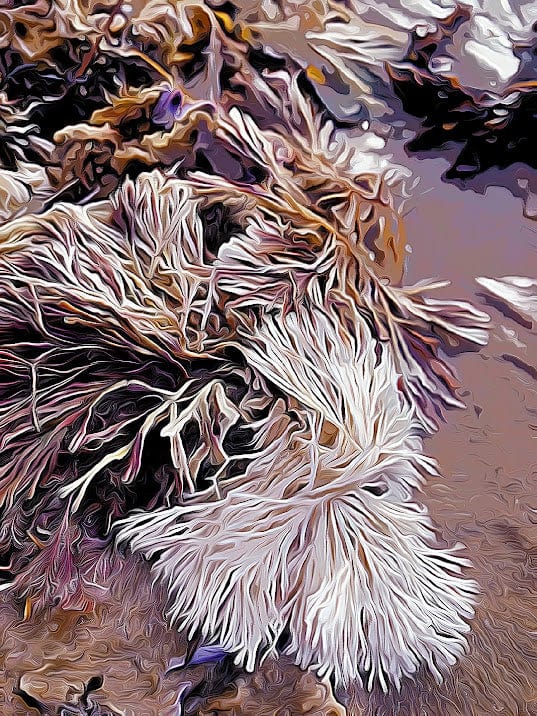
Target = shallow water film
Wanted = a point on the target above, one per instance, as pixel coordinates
(268, 309)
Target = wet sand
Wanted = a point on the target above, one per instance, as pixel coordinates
(487, 453)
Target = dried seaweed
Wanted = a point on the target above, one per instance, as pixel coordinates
(208, 352)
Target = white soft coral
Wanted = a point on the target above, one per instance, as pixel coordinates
(321, 534)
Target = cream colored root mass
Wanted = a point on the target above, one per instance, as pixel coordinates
(323, 538)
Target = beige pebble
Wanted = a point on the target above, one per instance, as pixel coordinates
(118, 23)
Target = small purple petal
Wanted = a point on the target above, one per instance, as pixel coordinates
(176, 662)
(168, 108)
(206, 654)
